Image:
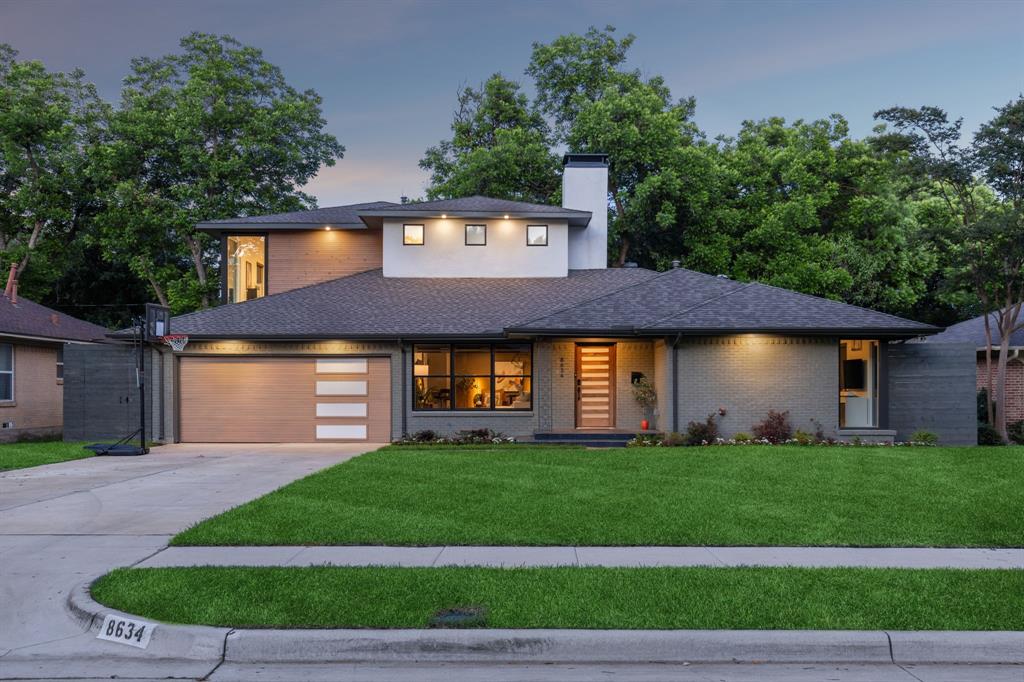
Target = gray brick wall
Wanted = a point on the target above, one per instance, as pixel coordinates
(932, 387)
(100, 392)
(750, 375)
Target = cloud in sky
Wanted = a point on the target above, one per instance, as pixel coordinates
(388, 70)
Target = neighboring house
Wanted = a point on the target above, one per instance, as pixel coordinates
(973, 332)
(32, 342)
(370, 321)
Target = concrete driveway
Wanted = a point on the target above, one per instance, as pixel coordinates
(61, 524)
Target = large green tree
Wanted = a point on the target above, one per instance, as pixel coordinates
(500, 147)
(214, 131)
(48, 120)
(599, 106)
(811, 209)
(985, 243)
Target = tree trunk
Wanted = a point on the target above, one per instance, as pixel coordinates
(989, 394)
(196, 250)
(158, 290)
(1004, 355)
(37, 229)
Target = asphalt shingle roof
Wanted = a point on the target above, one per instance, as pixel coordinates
(614, 300)
(370, 305)
(331, 215)
(28, 318)
(357, 215)
(973, 331)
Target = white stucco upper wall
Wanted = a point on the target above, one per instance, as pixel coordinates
(585, 188)
(444, 252)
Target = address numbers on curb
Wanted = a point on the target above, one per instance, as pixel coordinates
(134, 633)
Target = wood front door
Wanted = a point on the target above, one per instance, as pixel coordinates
(595, 386)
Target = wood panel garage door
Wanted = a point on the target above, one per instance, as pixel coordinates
(284, 400)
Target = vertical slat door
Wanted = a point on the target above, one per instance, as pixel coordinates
(595, 386)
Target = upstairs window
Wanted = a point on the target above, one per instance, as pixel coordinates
(536, 235)
(246, 257)
(476, 235)
(6, 372)
(412, 235)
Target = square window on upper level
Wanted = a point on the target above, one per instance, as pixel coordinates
(412, 235)
(476, 235)
(536, 235)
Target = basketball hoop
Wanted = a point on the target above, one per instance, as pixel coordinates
(177, 342)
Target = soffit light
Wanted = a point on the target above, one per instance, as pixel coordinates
(506, 216)
(444, 216)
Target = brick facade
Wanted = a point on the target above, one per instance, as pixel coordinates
(37, 408)
(749, 375)
(1014, 386)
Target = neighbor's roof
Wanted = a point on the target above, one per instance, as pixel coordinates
(973, 331)
(614, 301)
(334, 216)
(359, 216)
(29, 319)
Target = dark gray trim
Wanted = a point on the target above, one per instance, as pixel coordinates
(883, 384)
(241, 226)
(585, 160)
(878, 333)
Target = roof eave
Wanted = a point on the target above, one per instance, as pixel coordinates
(260, 227)
(575, 218)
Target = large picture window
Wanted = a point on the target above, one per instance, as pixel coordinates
(858, 384)
(472, 377)
(246, 257)
(6, 372)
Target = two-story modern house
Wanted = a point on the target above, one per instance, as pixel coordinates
(370, 321)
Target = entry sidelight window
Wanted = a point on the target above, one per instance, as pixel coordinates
(246, 258)
(858, 383)
(472, 377)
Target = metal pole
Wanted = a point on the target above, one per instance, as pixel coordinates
(142, 385)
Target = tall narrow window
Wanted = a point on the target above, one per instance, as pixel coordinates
(60, 362)
(858, 383)
(6, 372)
(246, 257)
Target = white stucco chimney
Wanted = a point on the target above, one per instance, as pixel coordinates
(585, 188)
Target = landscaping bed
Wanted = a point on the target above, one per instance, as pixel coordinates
(35, 453)
(750, 495)
(592, 598)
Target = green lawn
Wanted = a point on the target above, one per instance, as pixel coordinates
(602, 598)
(34, 453)
(524, 495)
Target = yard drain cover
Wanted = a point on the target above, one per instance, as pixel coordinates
(459, 617)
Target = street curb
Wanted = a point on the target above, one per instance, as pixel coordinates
(560, 646)
(168, 642)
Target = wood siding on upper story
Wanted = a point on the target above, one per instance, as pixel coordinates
(300, 258)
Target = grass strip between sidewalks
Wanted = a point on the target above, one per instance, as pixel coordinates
(591, 598)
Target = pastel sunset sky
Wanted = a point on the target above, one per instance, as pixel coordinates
(389, 71)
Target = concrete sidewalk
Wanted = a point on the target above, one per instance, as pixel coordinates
(874, 557)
